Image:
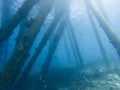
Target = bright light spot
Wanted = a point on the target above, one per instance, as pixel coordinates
(77, 9)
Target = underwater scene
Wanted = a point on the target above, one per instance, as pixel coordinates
(59, 44)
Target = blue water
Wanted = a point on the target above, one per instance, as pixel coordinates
(65, 71)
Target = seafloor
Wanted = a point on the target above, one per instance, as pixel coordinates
(99, 78)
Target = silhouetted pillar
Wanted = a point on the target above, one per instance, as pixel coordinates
(108, 29)
(18, 58)
(8, 27)
(100, 44)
